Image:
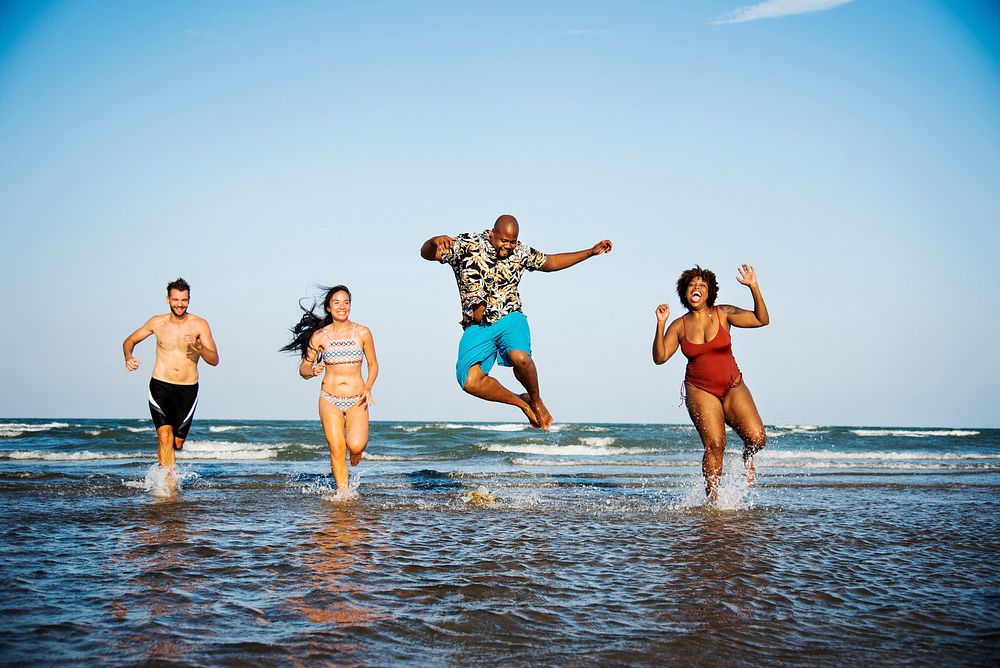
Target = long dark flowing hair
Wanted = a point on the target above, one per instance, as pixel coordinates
(303, 330)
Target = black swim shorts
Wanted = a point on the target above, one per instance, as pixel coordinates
(172, 405)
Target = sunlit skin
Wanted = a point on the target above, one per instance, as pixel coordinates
(345, 433)
(503, 237)
(710, 415)
(182, 340)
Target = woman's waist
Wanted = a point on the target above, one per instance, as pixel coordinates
(343, 385)
(712, 366)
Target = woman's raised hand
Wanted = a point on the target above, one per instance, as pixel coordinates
(748, 276)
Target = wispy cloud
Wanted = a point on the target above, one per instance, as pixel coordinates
(773, 9)
(201, 34)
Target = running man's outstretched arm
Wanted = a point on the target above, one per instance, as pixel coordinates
(560, 261)
(435, 247)
(738, 317)
(128, 345)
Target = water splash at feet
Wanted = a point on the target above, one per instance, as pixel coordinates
(162, 481)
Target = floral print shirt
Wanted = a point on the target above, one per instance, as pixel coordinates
(483, 278)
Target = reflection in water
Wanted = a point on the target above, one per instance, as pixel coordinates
(334, 552)
(154, 558)
(715, 579)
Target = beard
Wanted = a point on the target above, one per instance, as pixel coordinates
(179, 311)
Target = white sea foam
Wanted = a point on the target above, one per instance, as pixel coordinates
(229, 450)
(570, 450)
(914, 433)
(598, 440)
(83, 455)
(139, 430)
(94, 432)
(216, 429)
(14, 429)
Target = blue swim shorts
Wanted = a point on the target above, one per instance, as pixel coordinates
(482, 344)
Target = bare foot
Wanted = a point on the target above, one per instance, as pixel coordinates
(356, 458)
(751, 470)
(544, 417)
(529, 412)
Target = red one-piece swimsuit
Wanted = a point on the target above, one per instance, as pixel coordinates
(711, 365)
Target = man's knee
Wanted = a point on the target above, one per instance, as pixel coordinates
(519, 358)
(474, 379)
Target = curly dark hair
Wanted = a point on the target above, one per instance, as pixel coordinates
(704, 274)
(303, 330)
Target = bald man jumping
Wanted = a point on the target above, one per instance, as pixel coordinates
(488, 266)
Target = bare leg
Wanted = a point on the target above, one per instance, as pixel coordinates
(357, 431)
(165, 446)
(333, 429)
(478, 384)
(742, 416)
(178, 443)
(708, 418)
(527, 374)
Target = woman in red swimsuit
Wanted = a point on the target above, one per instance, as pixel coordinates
(715, 393)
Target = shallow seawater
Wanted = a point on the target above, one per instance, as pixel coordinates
(471, 544)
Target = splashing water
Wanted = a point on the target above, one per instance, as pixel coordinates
(162, 481)
(734, 493)
(480, 496)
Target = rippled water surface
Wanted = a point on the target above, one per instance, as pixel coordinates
(493, 543)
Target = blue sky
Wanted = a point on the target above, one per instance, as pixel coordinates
(849, 150)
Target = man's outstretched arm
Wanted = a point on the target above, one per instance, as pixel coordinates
(559, 261)
(434, 247)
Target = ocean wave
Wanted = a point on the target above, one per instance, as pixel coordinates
(83, 455)
(519, 461)
(598, 440)
(139, 430)
(14, 429)
(217, 429)
(914, 433)
(228, 450)
(767, 455)
(569, 450)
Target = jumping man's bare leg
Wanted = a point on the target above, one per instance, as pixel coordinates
(527, 374)
(478, 384)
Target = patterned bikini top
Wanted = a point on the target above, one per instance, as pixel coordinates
(342, 351)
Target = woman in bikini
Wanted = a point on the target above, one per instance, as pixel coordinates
(714, 390)
(335, 345)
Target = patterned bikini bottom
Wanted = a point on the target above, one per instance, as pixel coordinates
(343, 403)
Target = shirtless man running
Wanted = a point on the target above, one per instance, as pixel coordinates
(182, 339)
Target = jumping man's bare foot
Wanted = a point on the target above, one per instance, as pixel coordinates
(544, 417)
(529, 412)
(750, 469)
